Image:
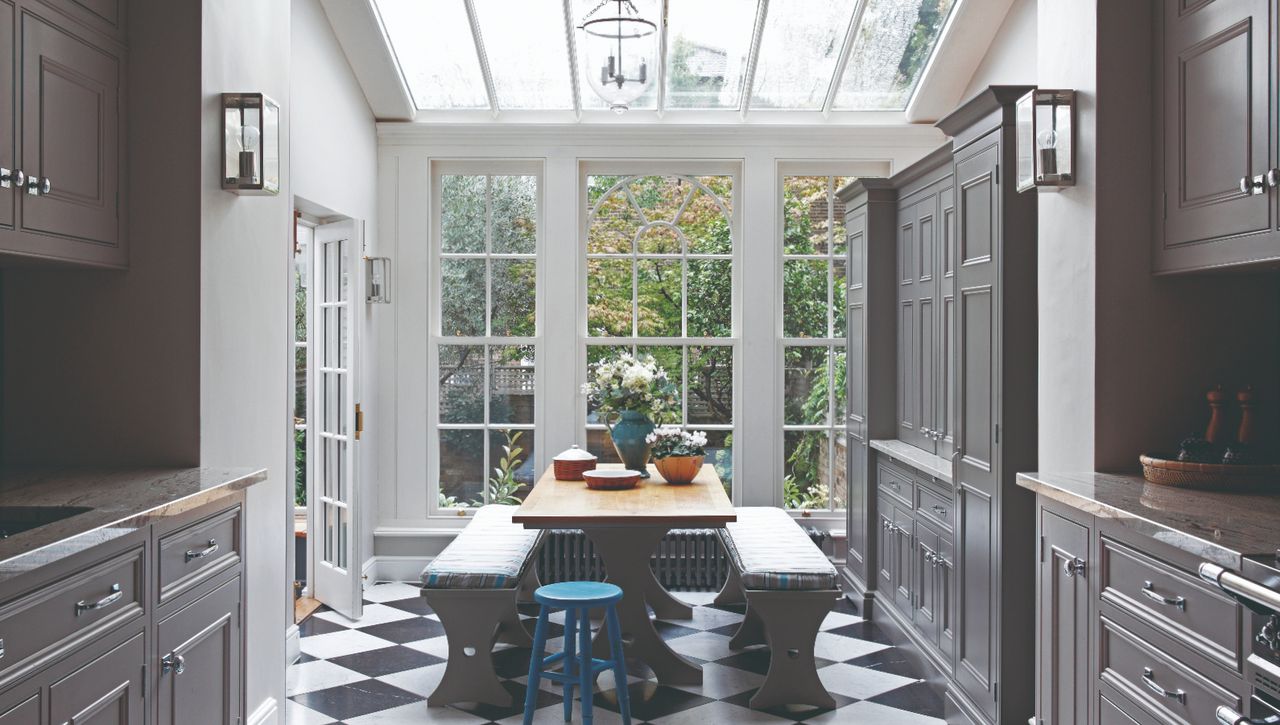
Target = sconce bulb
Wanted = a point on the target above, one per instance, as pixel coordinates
(1047, 139)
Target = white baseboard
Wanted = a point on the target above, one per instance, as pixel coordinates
(396, 568)
(292, 644)
(268, 713)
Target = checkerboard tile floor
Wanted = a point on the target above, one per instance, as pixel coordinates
(381, 669)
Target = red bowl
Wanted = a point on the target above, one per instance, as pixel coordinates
(611, 479)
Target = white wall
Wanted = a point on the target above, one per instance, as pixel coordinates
(246, 297)
(334, 164)
(1011, 59)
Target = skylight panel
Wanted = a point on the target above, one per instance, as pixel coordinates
(591, 101)
(892, 45)
(707, 48)
(433, 44)
(798, 53)
(527, 51)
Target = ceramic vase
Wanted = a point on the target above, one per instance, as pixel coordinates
(628, 436)
(679, 469)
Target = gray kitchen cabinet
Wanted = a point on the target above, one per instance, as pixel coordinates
(108, 690)
(22, 705)
(1215, 155)
(68, 103)
(887, 545)
(924, 610)
(1062, 627)
(199, 650)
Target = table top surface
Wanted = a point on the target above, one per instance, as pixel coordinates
(653, 502)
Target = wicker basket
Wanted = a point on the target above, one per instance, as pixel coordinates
(570, 465)
(1210, 476)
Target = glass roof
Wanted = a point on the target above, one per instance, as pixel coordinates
(717, 55)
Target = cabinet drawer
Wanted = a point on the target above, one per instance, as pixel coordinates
(196, 552)
(894, 482)
(1156, 681)
(1173, 602)
(934, 505)
(55, 619)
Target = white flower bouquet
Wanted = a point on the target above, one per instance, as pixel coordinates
(670, 440)
(632, 383)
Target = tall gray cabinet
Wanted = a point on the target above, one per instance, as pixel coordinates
(942, 391)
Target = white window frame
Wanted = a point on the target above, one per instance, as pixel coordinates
(480, 167)
(834, 425)
(684, 167)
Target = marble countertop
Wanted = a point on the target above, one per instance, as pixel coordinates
(914, 457)
(120, 500)
(1218, 527)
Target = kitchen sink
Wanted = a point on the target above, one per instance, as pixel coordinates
(16, 519)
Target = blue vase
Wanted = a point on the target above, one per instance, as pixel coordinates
(629, 435)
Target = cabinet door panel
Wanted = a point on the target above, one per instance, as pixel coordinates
(945, 367)
(1217, 114)
(926, 321)
(945, 602)
(908, 390)
(886, 546)
(904, 532)
(205, 635)
(70, 135)
(1062, 622)
(8, 117)
(976, 597)
(26, 712)
(924, 615)
(107, 691)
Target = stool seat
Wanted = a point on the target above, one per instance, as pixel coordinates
(565, 595)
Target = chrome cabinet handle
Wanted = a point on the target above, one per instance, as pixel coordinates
(173, 662)
(1272, 177)
(210, 550)
(1149, 592)
(939, 510)
(1149, 679)
(1074, 567)
(38, 186)
(115, 595)
(1227, 716)
(12, 177)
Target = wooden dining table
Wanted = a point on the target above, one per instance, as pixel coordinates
(626, 527)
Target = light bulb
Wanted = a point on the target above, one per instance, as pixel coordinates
(1047, 139)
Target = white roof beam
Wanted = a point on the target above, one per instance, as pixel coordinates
(749, 78)
(572, 41)
(662, 58)
(842, 60)
(483, 56)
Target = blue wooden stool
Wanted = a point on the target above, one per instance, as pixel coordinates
(577, 599)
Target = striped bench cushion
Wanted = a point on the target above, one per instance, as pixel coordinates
(771, 551)
(490, 553)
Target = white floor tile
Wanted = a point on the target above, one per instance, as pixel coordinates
(835, 620)
(318, 675)
(870, 712)
(392, 592)
(554, 715)
(337, 644)
(835, 647)
(859, 682)
(720, 681)
(714, 713)
(710, 618)
(417, 714)
(295, 714)
(703, 645)
(438, 646)
(373, 614)
(696, 599)
(420, 681)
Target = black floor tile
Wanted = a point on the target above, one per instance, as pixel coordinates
(650, 701)
(518, 692)
(798, 713)
(379, 662)
(869, 631)
(668, 630)
(756, 660)
(917, 697)
(356, 699)
(313, 625)
(406, 630)
(887, 660)
(415, 605)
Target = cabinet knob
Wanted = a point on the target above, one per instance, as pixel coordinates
(38, 186)
(1073, 567)
(1273, 178)
(12, 177)
(1253, 186)
(173, 662)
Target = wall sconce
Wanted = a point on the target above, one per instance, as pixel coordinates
(377, 275)
(251, 153)
(1046, 133)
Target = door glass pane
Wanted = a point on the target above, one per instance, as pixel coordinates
(798, 53)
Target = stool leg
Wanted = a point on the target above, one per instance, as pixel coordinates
(535, 665)
(584, 676)
(570, 658)
(619, 664)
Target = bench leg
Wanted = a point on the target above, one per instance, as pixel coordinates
(732, 591)
(530, 583)
(471, 620)
(791, 623)
(750, 632)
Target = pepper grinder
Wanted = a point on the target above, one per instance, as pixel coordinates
(1213, 433)
(1248, 434)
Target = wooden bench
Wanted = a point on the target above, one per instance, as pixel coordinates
(789, 586)
(474, 586)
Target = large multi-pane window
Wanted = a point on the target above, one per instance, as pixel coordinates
(659, 280)
(485, 338)
(813, 249)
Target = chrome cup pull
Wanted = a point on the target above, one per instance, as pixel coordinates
(1149, 592)
(1149, 679)
(82, 606)
(209, 550)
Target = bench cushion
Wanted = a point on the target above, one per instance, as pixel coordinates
(771, 551)
(490, 553)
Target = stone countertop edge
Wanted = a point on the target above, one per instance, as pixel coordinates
(914, 457)
(1218, 527)
(122, 501)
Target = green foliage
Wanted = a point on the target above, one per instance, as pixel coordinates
(933, 13)
(300, 467)
(503, 487)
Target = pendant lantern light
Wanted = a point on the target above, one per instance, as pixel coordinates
(619, 45)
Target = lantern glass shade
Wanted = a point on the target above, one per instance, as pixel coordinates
(1045, 128)
(619, 43)
(377, 280)
(251, 144)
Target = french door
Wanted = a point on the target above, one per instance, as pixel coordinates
(334, 425)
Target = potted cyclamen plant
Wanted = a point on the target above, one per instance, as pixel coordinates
(636, 390)
(677, 453)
